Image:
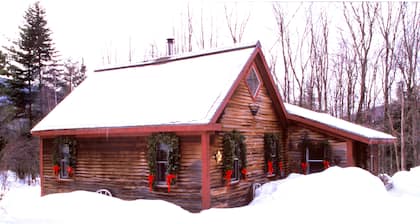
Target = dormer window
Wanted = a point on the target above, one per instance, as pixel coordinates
(253, 82)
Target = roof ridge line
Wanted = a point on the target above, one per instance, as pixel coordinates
(188, 55)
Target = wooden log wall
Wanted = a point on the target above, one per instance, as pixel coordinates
(296, 132)
(238, 116)
(119, 164)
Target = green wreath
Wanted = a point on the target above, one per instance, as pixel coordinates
(271, 141)
(58, 155)
(153, 142)
(234, 144)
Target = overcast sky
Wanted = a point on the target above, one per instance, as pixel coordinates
(95, 29)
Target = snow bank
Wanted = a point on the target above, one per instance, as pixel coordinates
(407, 183)
(337, 195)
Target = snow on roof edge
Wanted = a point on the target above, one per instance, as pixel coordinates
(337, 123)
(183, 56)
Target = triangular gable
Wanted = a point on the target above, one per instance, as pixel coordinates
(257, 58)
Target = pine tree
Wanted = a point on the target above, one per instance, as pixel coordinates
(31, 54)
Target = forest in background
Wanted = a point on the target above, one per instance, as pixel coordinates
(358, 62)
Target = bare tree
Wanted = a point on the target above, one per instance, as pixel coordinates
(388, 23)
(235, 24)
(364, 15)
(408, 64)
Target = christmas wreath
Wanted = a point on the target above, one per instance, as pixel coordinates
(153, 142)
(271, 143)
(58, 154)
(234, 146)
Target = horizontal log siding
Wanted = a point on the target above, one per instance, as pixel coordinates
(296, 132)
(238, 116)
(119, 164)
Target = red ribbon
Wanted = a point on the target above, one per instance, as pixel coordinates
(56, 169)
(244, 172)
(326, 164)
(151, 177)
(228, 176)
(270, 167)
(169, 178)
(70, 170)
(280, 166)
(304, 166)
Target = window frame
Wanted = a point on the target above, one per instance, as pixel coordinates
(257, 78)
(313, 161)
(165, 163)
(64, 161)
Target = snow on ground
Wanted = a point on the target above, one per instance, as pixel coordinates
(337, 195)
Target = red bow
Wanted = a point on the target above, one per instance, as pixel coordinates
(56, 169)
(228, 175)
(70, 170)
(270, 167)
(280, 166)
(169, 178)
(326, 164)
(304, 166)
(244, 172)
(151, 177)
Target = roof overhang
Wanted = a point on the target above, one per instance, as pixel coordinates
(129, 131)
(338, 133)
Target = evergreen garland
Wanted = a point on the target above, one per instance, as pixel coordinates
(153, 142)
(58, 155)
(234, 146)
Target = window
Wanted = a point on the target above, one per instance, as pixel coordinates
(236, 174)
(162, 162)
(315, 156)
(65, 161)
(253, 82)
(272, 155)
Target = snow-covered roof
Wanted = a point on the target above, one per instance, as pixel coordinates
(165, 92)
(337, 123)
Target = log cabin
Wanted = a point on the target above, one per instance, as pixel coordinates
(199, 130)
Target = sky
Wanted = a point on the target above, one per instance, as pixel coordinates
(96, 29)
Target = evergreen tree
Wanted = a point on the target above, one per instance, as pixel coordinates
(32, 52)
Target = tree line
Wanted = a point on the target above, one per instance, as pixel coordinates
(33, 80)
(365, 69)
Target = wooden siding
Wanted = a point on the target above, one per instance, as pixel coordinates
(119, 164)
(237, 116)
(296, 132)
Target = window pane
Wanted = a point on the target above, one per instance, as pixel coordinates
(163, 152)
(161, 172)
(316, 153)
(252, 82)
(236, 171)
(64, 162)
(273, 150)
(315, 167)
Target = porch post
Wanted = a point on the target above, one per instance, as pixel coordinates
(205, 171)
(349, 152)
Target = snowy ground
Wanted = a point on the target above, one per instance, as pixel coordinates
(337, 195)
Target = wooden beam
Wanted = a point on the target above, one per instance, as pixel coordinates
(125, 131)
(205, 171)
(349, 153)
(41, 165)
